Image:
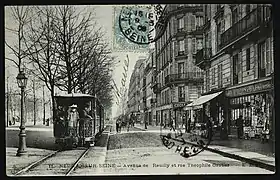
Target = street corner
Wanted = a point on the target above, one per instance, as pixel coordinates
(15, 163)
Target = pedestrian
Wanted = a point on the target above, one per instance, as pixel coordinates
(223, 127)
(117, 125)
(189, 125)
(239, 123)
(60, 123)
(209, 125)
(120, 125)
(172, 124)
(73, 117)
(84, 117)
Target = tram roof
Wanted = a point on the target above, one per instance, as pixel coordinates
(78, 95)
(75, 95)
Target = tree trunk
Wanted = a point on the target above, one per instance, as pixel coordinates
(34, 102)
(7, 102)
(44, 108)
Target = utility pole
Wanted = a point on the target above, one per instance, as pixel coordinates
(44, 107)
(34, 102)
(8, 96)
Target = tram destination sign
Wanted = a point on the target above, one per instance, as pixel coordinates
(253, 88)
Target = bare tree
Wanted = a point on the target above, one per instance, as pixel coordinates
(21, 16)
(72, 30)
(42, 53)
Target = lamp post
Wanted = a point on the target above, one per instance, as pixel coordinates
(22, 81)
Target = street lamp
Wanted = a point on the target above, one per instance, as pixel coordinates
(22, 81)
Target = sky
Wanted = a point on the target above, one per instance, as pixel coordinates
(104, 15)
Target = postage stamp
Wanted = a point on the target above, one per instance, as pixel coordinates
(120, 42)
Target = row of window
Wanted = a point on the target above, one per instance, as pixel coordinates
(165, 96)
(181, 49)
(263, 59)
(191, 21)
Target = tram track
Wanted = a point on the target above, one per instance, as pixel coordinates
(60, 162)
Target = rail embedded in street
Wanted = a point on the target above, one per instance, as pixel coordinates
(54, 154)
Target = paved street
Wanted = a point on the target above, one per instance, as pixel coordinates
(142, 152)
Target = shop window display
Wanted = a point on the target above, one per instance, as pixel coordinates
(256, 113)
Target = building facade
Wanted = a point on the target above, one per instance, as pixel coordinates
(178, 81)
(149, 96)
(237, 57)
(134, 92)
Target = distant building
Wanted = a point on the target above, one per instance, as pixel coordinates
(134, 96)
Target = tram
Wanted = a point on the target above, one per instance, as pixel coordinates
(78, 118)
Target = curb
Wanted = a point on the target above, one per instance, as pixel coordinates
(141, 128)
(240, 158)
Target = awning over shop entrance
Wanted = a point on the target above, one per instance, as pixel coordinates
(201, 100)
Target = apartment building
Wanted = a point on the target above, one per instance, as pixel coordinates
(237, 57)
(149, 96)
(135, 98)
(178, 81)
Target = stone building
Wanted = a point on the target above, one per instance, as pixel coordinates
(135, 97)
(178, 81)
(237, 57)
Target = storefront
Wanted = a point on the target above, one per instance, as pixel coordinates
(208, 106)
(254, 103)
(179, 115)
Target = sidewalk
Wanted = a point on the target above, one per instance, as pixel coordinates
(252, 151)
(15, 163)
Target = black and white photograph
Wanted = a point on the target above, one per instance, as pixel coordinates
(139, 89)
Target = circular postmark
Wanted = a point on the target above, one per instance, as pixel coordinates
(137, 23)
(188, 144)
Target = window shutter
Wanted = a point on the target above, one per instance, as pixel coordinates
(193, 22)
(188, 23)
(268, 59)
(186, 45)
(240, 66)
(194, 45)
(223, 26)
(176, 25)
(272, 56)
(176, 48)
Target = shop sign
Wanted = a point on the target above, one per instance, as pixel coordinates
(250, 89)
(179, 105)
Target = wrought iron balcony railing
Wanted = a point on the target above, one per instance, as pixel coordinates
(184, 77)
(203, 55)
(251, 21)
(156, 87)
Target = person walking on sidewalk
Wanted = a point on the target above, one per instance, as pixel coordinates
(189, 125)
(239, 123)
(117, 125)
(172, 124)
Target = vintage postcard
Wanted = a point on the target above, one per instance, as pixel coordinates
(150, 89)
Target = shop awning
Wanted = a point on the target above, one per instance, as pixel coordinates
(201, 100)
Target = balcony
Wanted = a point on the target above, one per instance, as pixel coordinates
(253, 20)
(198, 30)
(195, 77)
(180, 55)
(202, 57)
(156, 87)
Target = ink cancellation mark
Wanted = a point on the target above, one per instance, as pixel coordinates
(120, 42)
(190, 145)
(137, 24)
